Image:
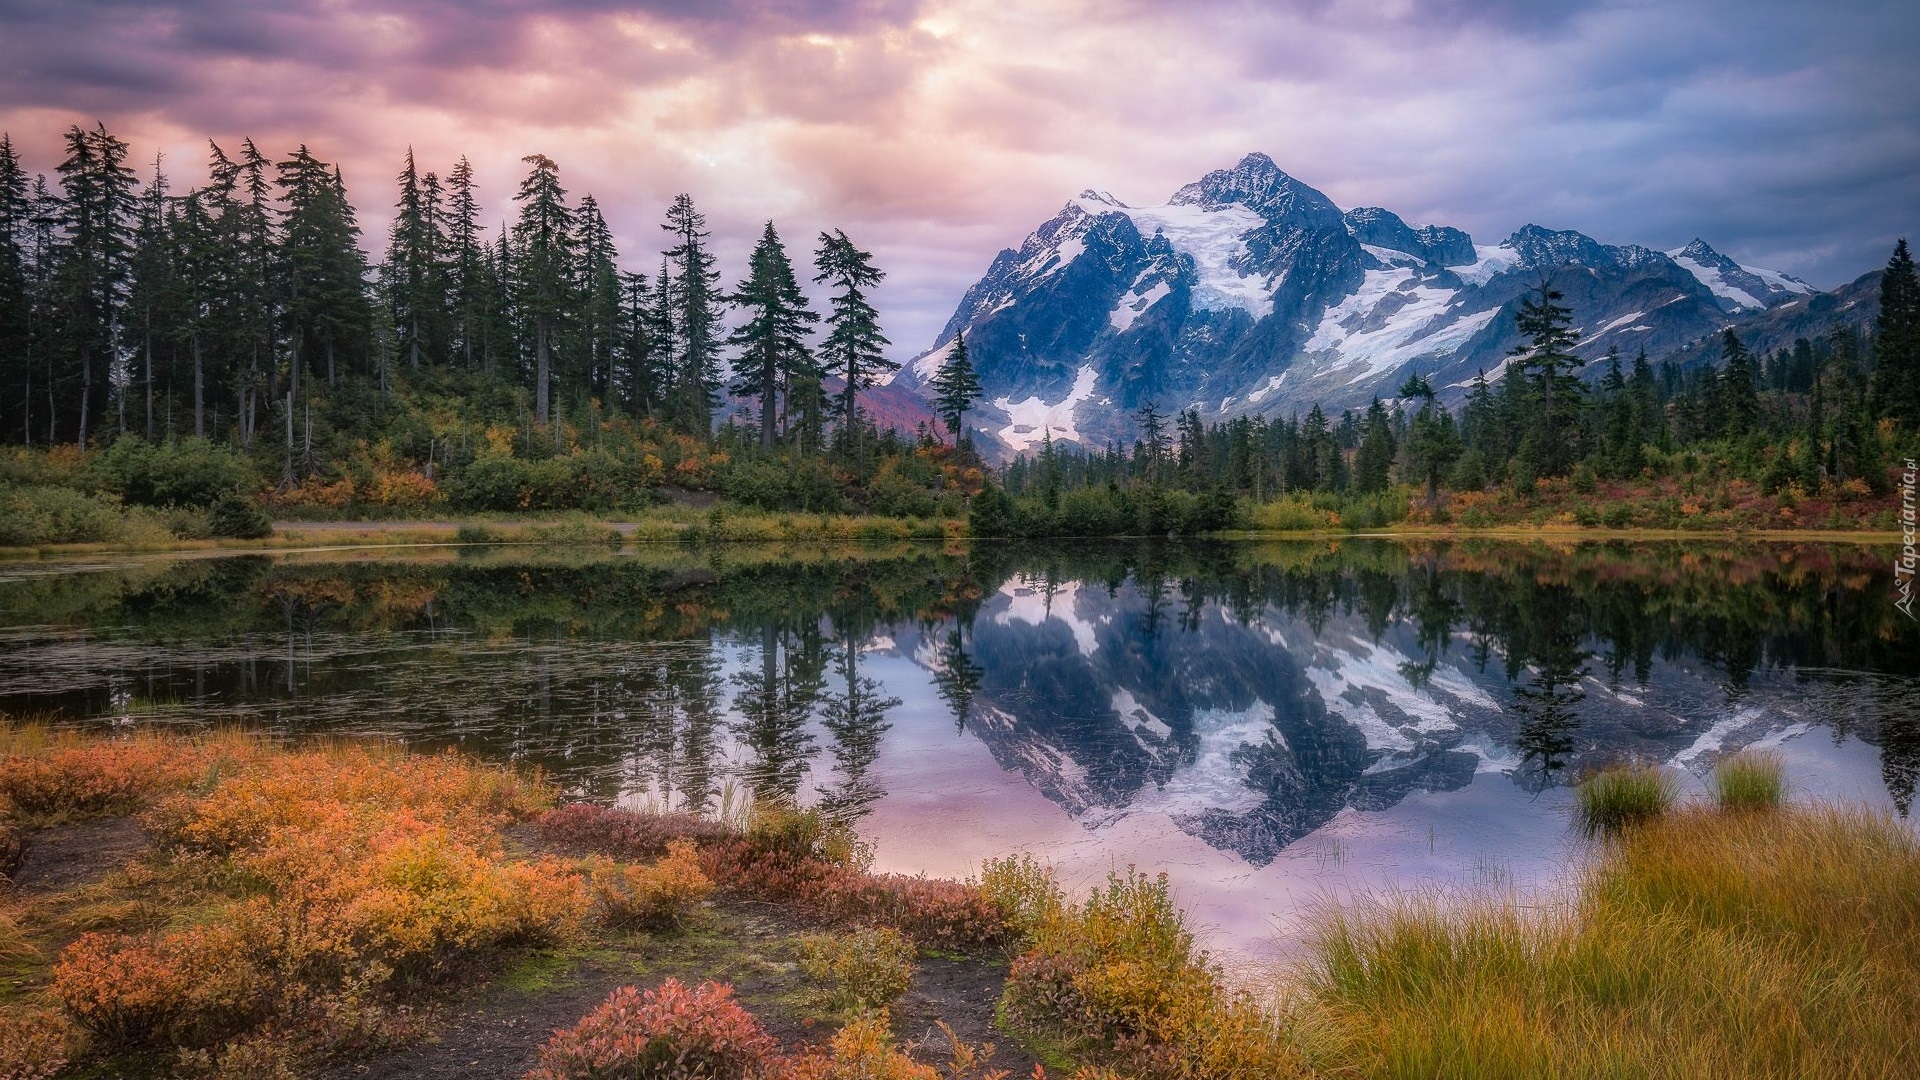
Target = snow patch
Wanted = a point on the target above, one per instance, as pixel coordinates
(1488, 262)
(1031, 420)
(1215, 239)
(1133, 304)
(1031, 605)
(1715, 281)
(1417, 326)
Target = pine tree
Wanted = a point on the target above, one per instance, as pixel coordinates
(773, 339)
(97, 218)
(693, 297)
(543, 270)
(1433, 445)
(1896, 340)
(466, 260)
(601, 295)
(1546, 364)
(854, 342)
(16, 307)
(412, 271)
(955, 388)
(1739, 403)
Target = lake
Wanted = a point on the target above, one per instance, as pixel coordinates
(1274, 724)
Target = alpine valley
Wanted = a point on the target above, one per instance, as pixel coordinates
(1249, 292)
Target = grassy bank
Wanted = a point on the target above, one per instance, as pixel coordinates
(272, 910)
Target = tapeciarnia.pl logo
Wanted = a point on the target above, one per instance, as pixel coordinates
(1904, 566)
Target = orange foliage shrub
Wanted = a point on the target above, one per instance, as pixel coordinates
(372, 863)
(101, 777)
(668, 1033)
(192, 987)
(652, 897)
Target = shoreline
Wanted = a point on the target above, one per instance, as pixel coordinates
(440, 532)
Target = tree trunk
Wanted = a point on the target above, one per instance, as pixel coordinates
(769, 386)
(86, 393)
(149, 379)
(286, 461)
(199, 390)
(540, 392)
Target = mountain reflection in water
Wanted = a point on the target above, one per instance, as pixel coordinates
(1266, 702)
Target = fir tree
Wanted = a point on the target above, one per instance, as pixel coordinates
(1373, 462)
(773, 339)
(955, 388)
(1546, 365)
(1739, 404)
(543, 270)
(1896, 340)
(97, 215)
(466, 260)
(854, 342)
(694, 299)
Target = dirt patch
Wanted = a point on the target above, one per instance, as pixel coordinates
(62, 857)
(495, 1032)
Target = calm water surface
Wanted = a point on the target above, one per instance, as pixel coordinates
(1274, 724)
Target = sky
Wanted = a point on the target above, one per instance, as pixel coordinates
(935, 132)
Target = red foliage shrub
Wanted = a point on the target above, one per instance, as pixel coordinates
(668, 1033)
(625, 834)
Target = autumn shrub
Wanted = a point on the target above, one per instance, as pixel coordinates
(654, 897)
(66, 776)
(935, 912)
(626, 834)
(1022, 892)
(853, 971)
(1117, 979)
(35, 1044)
(671, 1032)
(862, 1050)
(190, 987)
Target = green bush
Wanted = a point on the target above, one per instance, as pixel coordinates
(186, 472)
(758, 484)
(55, 515)
(854, 971)
(239, 518)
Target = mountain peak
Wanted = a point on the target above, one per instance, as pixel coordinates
(1261, 186)
(1698, 251)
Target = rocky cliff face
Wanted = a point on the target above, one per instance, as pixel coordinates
(1251, 292)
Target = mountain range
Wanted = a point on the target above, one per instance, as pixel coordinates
(1249, 292)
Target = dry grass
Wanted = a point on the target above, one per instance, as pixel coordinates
(1702, 944)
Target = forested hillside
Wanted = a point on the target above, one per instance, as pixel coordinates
(201, 355)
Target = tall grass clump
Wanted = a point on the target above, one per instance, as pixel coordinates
(1750, 780)
(1700, 944)
(1117, 980)
(1620, 796)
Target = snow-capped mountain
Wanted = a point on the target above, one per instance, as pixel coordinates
(1251, 292)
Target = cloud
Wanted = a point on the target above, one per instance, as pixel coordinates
(938, 131)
